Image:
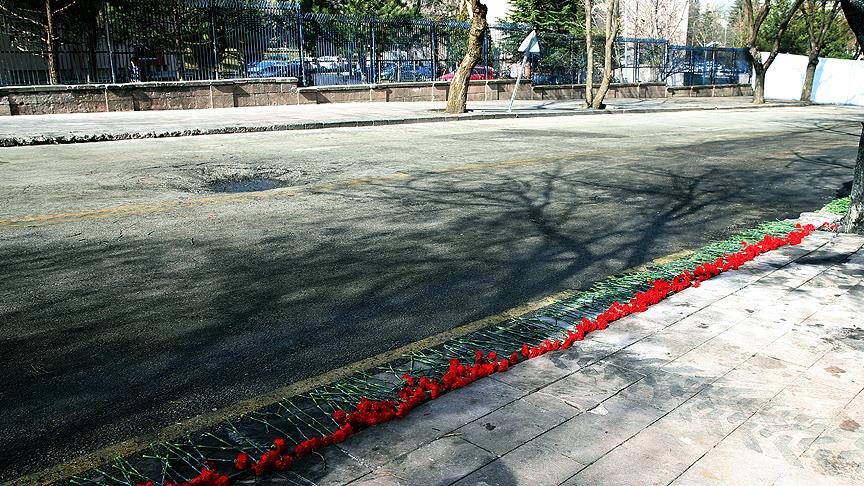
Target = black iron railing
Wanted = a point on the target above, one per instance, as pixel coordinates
(175, 40)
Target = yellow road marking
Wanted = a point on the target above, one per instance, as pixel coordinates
(138, 209)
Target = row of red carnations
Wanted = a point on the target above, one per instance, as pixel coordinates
(416, 391)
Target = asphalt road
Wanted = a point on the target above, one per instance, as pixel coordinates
(133, 295)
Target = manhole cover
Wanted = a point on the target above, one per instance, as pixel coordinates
(252, 184)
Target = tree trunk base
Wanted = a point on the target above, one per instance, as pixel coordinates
(854, 220)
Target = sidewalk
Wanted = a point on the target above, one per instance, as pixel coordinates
(755, 377)
(94, 127)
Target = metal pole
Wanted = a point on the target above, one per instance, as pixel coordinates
(300, 46)
(434, 51)
(108, 41)
(486, 53)
(713, 64)
(664, 68)
(373, 56)
(213, 41)
(518, 79)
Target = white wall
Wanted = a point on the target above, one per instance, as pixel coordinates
(837, 81)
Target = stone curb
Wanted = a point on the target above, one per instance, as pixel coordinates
(314, 125)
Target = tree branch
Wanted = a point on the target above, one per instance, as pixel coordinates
(780, 30)
(827, 22)
(20, 17)
(61, 10)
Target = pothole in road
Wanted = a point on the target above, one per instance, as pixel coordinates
(250, 184)
(231, 178)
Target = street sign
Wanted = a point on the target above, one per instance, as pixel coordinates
(530, 44)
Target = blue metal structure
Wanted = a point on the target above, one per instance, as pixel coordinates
(692, 65)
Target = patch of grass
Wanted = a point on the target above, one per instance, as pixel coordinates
(837, 206)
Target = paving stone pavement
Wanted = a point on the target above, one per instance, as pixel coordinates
(753, 378)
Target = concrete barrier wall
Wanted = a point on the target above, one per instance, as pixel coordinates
(186, 95)
(836, 81)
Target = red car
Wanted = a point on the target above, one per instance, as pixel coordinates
(479, 72)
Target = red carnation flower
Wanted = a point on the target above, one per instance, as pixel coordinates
(340, 416)
(243, 461)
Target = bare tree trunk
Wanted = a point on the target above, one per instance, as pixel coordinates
(457, 98)
(855, 219)
(854, 12)
(611, 34)
(589, 48)
(807, 91)
(758, 81)
(814, 12)
(50, 43)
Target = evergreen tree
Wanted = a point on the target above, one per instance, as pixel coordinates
(549, 15)
(380, 8)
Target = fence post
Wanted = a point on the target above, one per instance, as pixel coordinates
(434, 50)
(300, 46)
(213, 40)
(108, 41)
(713, 64)
(665, 69)
(373, 56)
(486, 52)
(178, 26)
(690, 67)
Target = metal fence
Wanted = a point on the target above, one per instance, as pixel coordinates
(160, 40)
(691, 66)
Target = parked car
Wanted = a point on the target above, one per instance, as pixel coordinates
(543, 78)
(479, 72)
(275, 68)
(407, 72)
(330, 63)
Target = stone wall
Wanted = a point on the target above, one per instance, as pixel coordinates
(709, 91)
(186, 95)
(172, 95)
(492, 90)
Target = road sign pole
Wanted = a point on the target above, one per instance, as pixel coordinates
(528, 46)
(518, 79)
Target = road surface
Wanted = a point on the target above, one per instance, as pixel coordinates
(136, 292)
